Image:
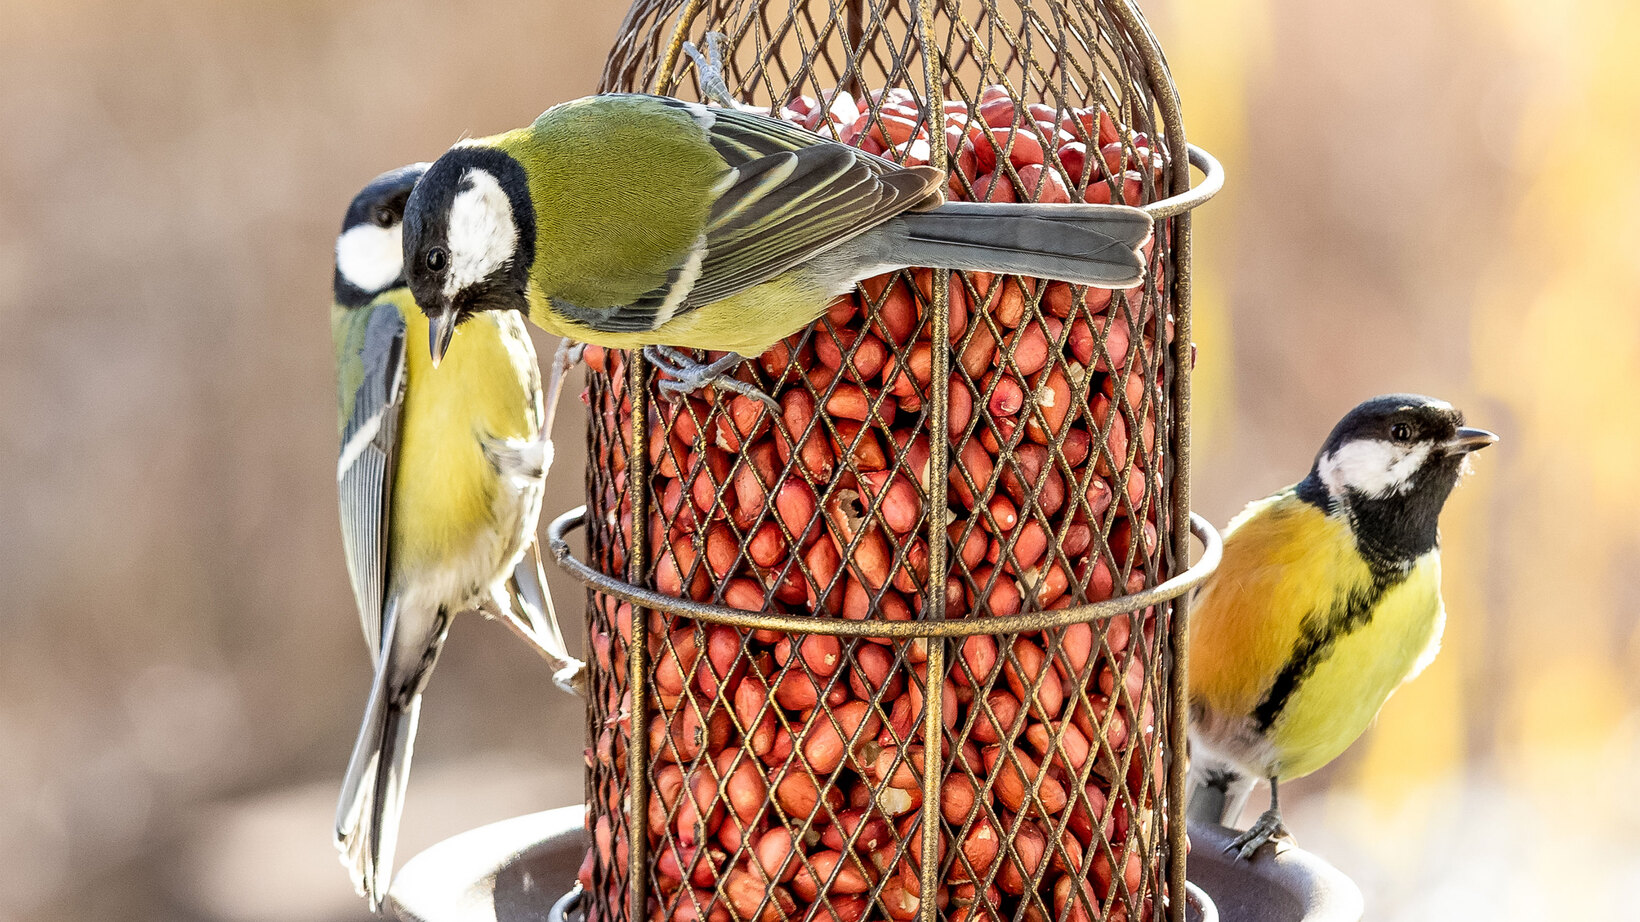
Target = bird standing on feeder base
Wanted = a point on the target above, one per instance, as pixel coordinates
(439, 479)
(634, 221)
(1328, 597)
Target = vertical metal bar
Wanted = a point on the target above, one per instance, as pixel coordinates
(637, 652)
(932, 779)
(939, 315)
(669, 61)
(597, 696)
(939, 402)
(1178, 686)
(1166, 96)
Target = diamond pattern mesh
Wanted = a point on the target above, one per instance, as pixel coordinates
(1004, 451)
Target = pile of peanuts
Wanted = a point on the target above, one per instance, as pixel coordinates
(1047, 151)
(786, 771)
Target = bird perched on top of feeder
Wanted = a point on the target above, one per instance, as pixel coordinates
(440, 480)
(646, 221)
(1328, 597)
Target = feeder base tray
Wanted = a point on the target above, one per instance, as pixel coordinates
(517, 869)
(511, 871)
(1294, 886)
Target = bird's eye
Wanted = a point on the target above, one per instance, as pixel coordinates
(436, 259)
(383, 217)
(1401, 432)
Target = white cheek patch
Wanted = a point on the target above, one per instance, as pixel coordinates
(370, 258)
(483, 235)
(1372, 466)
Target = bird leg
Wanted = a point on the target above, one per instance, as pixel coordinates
(568, 673)
(689, 375)
(523, 604)
(538, 455)
(1267, 828)
(1217, 792)
(567, 356)
(524, 607)
(710, 68)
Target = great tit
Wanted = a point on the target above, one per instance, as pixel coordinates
(440, 482)
(1328, 597)
(646, 221)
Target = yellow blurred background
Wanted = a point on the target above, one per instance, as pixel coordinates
(1429, 196)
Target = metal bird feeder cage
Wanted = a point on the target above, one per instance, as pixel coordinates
(911, 648)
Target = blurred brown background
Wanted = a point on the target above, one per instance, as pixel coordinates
(1431, 196)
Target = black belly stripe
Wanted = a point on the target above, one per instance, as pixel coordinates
(1318, 639)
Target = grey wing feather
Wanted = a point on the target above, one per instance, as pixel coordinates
(825, 197)
(792, 195)
(365, 466)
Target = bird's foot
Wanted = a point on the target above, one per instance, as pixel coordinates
(572, 677)
(567, 356)
(570, 352)
(709, 65)
(1267, 829)
(568, 673)
(688, 375)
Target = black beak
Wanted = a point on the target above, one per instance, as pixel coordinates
(1468, 440)
(440, 330)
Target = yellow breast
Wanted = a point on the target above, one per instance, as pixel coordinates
(445, 488)
(1281, 593)
(1332, 708)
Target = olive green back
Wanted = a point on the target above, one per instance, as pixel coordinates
(618, 203)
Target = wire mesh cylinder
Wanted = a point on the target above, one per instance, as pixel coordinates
(949, 446)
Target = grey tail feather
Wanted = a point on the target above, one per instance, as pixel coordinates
(1094, 245)
(367, 818)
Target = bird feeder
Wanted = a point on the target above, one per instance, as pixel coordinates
(910, 648)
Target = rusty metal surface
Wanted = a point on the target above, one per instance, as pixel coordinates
(561, 528)
(1079, 509)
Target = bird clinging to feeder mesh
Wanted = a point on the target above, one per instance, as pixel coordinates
(634, 221)
(440, 482)
(1328, 597)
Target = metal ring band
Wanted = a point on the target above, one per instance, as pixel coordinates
(1212, 182)
(844, 627)
(566, 904)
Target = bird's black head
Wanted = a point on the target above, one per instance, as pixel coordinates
(469, 238)
(369, 254)
(1390, 464)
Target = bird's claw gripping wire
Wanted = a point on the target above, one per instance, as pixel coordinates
(689, 375)
(709, 67)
